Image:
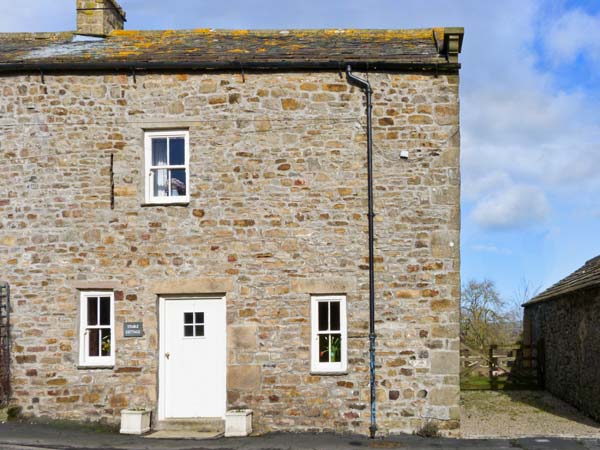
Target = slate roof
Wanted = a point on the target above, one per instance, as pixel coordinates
(587, 275)
(214, 49)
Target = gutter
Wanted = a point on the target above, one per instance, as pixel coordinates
(366, 87)
(429, 67)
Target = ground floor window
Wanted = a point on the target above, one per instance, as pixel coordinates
(329, 334)
(97, 329)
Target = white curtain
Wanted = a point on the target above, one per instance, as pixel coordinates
(159, 158)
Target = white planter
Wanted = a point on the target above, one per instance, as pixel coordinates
(135, 421)
(238, 422)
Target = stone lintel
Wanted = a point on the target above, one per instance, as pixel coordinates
(323, 285)
(96, 285)
(205, 285)
(166, 125)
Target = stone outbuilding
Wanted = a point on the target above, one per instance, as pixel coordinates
(184, 224)
(563, 324)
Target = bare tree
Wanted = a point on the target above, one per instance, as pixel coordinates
(525, 291)
(483, 319)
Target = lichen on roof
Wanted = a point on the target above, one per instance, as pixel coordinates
(205, 47)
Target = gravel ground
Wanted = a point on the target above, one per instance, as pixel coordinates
(514, 414)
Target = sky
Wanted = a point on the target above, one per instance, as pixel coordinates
(530, 111)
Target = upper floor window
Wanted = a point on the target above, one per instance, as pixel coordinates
(329, 336)
(167, 166)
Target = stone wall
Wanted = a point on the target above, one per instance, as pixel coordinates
(277, 212)
(568, 325)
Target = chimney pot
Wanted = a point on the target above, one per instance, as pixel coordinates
(99, 17)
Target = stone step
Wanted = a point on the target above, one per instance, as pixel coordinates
(198, 424)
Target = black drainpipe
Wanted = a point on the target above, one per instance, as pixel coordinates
(363, 84)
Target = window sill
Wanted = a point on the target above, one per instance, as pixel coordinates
(95, 366)
(150, 204)
(328, 374)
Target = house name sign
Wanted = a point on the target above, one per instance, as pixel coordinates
(133, 329)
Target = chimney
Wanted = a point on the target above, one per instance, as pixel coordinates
(99, 17)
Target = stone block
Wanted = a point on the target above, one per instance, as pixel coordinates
(444, 244)
(436, 412)
(245, 377)
(442, 305)
(444, 395)
(8, 241)
(408, 293)
(242, 337)
(290, 104)
(444, 362)
(446, 114)
(420, 119)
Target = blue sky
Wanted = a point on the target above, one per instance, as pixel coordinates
(530, 111)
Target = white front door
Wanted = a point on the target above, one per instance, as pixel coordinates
(192, 357)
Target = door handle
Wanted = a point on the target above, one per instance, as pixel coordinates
(167, 355)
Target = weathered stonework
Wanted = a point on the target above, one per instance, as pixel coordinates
(568, 327)
(278, 211)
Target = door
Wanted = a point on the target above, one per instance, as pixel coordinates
(192, 357)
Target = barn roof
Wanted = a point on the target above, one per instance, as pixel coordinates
(586, 276)
(233, 49)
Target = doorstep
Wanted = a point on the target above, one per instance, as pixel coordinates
(184, 434)
(198, 424)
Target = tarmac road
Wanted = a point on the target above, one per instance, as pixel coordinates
(28, 436)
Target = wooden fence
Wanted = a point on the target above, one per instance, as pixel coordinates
(503, 367)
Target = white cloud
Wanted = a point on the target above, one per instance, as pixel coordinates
(574, 33)
(476, 185)
(519, 127)
(518, 206)
(491, 248)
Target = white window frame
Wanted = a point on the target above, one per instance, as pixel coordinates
(84, 358)
(327, 367)
(148, 185)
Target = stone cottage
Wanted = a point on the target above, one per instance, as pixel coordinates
(184, 224)
(561, 324)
